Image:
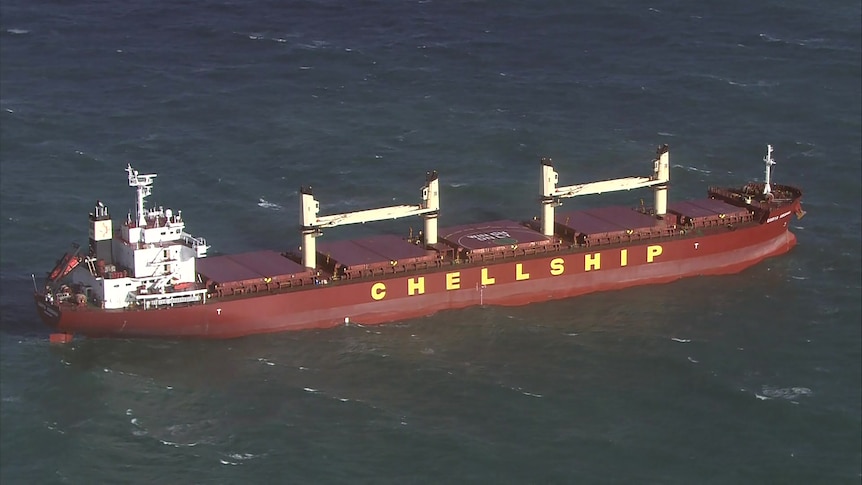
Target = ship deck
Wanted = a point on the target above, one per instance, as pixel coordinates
(356, 258)
(252, 271)
(492, 239)
(386, 256)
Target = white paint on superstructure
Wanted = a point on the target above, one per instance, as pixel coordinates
(152, 254)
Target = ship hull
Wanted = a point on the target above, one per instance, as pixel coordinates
(513, 281)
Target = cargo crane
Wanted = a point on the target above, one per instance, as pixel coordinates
(551, 194)
(311, 223)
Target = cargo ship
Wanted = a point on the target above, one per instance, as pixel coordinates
(147, 277)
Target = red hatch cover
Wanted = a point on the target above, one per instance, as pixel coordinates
(248, 266)
(705, 208)
(372, 251)
(494, 234)
(605, 220)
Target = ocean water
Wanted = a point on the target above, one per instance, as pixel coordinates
(749, 378)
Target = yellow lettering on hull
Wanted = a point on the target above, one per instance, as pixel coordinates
(487, 280)
(453, 280)
(652, 252)
(416, 285)
(378, 291)
(557, 267)
(592, 261)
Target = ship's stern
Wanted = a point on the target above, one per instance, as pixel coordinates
(47, 309)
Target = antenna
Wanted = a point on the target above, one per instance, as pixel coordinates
(769, 161)
(144, 183)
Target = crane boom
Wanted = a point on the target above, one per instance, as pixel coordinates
(627, 183)
(551, 194)
(311, 223)
(370, 215)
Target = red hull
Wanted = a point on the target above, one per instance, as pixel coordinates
(512, 281)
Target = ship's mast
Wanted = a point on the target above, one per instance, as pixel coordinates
(311, 223)
(769, 161)
(144, 184)
(551, 194)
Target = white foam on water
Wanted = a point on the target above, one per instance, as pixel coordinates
(315, 44)
(526, 393)
(693, 169)
(681, 340)
(787, 393)
(268, 205)
(178, 445)
(53, 427)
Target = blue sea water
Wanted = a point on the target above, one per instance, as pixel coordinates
(749, 378)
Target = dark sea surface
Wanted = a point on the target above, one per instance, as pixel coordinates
(749, 378)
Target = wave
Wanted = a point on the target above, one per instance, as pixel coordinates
(758, 84)
(786, 393)
(818, 41)
(268, 205)
(693, 169)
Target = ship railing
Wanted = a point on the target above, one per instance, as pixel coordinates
(724, 193)
(199, 244)
(154, 300)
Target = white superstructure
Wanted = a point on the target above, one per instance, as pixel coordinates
(149, 261)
